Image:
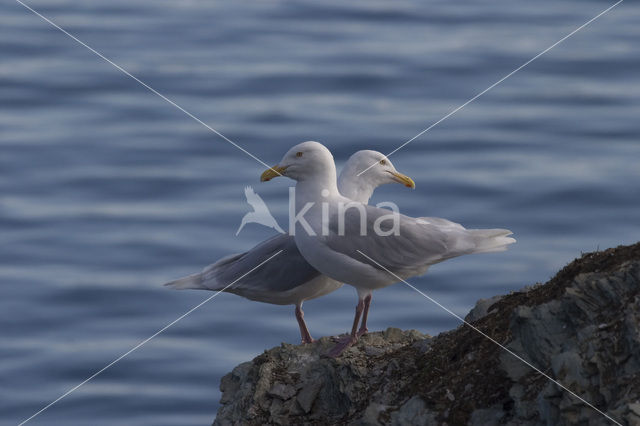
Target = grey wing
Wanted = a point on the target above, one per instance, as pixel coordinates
(285, 271)
(414, 244)
(440, 222)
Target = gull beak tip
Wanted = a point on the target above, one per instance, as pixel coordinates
(404, 179)
(411, 184)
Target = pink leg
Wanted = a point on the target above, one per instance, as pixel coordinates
(347, 341)
(363, 327)
(304, 331)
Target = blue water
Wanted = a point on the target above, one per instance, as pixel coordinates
(107, 191)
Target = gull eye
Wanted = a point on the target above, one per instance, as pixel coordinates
(299, 154)
(383, 162)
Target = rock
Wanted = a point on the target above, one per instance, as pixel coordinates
(282, 391)
(322, 389)
(582, 328)
(482, 308)
(413, 412)
(308, 394)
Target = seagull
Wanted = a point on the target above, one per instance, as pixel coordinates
(260, 213)
(288, 279)
(354, 247)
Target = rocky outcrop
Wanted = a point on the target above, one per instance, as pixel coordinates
(582, 329)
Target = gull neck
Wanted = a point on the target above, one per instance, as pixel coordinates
(313, 185)
(355, 188)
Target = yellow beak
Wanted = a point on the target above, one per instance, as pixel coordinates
(404, 179)
(271, 173)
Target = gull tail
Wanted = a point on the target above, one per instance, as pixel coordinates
(490, 240)
(193, 281)
(208, 279)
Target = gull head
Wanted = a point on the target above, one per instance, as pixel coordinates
(377, 169)
(303, 161)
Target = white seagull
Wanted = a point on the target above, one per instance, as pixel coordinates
(260, 213)
(288, 279)
(364, 246)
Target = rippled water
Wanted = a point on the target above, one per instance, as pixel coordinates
(107, 191)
